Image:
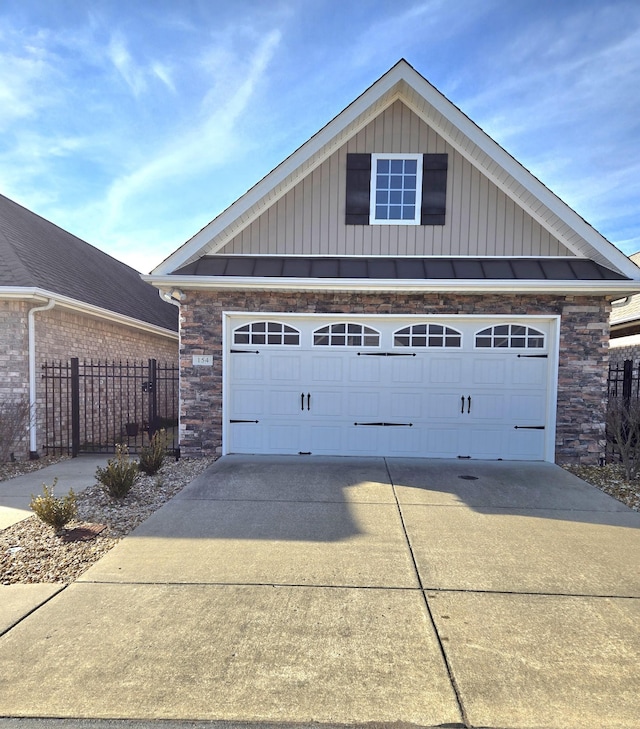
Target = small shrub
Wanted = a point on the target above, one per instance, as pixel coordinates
(152, 456)
(120, 473)
(54, 511)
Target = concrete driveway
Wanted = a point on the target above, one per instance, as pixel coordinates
(347, 591)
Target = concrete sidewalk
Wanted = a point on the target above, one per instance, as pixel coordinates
(347, 591)
(15, 493)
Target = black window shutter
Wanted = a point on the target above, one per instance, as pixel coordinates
(358, 189)
(434, 189)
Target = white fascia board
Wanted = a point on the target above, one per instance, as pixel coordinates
(460, 286)
(36, 294)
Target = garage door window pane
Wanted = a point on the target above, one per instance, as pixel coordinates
(357, 335)
(437, 335)
(266, 332)
(514, 336)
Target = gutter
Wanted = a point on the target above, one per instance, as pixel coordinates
(33, 448)
(461, 286)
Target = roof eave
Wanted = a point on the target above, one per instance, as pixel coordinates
(40, 295)
(461, 286)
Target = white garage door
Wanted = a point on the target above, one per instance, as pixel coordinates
(442, 388)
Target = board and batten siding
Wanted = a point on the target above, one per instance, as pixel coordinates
(310, 218)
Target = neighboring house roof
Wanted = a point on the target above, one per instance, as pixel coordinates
(36, 254)
(625, 316)
(402, 83)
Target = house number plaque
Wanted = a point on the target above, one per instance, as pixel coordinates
(202, 360)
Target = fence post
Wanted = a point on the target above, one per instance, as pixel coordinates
(153, 398)
(75, 407)
(627, 381)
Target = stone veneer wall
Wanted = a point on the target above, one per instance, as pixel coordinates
(582, 373)
(61, 334)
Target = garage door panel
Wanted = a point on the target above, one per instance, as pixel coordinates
(487, 406)
(247, 402)
(284, 367)
(443, 406)
(404, 441)
(525, 444)
(327, 403)
(325, 368)
(283, 438)
(488, 371)
(527, 408)
(362, 440)
(364, 404)
(364, 369)
(443, 442)
(406, 370)
(247, 367)
(284, 402)
(407, 404)
(247, 437)
(445, 370)
(326, 439)
(530, 371)
(486, 443)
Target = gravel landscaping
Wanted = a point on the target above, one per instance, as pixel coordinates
(31, 552)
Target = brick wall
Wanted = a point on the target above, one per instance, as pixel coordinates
(582, 374)
(625, 348)
(14, 368)
(61, 334)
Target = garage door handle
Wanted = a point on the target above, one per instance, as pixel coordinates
(469, 404)
(302, 401)
(308, 401)
(462, 401)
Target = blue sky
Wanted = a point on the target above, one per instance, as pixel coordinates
(132, 125)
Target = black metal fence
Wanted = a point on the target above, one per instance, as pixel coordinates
(91, 406)
(623, 386)
(623, 380)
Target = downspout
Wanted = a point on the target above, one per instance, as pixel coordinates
(33, 449)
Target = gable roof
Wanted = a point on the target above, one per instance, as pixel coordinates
(35, 254)
(403, 83)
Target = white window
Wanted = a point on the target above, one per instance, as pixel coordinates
(427, 335)
(516, 336)
(266, 332)
(396, 189)
(346, 335)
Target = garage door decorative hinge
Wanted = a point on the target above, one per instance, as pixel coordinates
(244, 351)
(387, 425)
(244, 421)
(528, 427)
(534, 356)
(386, 354)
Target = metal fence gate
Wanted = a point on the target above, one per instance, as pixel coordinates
(92, 406)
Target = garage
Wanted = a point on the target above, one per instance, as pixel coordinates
(441, 387)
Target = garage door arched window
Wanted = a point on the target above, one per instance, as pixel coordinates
(427, 335)
(512, 336)
(346, 335)
(266, 332)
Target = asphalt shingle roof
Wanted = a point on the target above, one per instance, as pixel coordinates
(35, 253)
